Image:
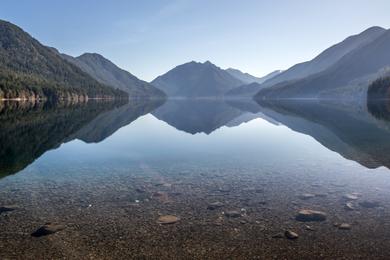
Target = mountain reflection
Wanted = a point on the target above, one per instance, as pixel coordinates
(197, 116)
(359, 133)
(28, 130)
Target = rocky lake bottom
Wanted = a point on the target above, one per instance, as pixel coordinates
(236, 213)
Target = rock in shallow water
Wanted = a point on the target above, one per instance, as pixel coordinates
(350, 196)
(47, 229)
(306, 196)
(6, 209)
(214, 205)
(345, 226)
(291, 234)
(369, 204)
(232, 214)
(167, 219)
(310, 215)
(349, 206)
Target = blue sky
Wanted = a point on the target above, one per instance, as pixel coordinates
(150, 37)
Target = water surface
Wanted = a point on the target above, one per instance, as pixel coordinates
(107, 172)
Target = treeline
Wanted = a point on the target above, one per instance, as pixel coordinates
(30, 86)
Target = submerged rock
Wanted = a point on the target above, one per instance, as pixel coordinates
(306, 196)
(167, 219)
(369, 204)
(47, 229)
(232, 214)
(310, 215)
(310, 228)
(351, 196)
(345, 226)
(214, 205)
(349, 206)
(6, 209)
(291, 234)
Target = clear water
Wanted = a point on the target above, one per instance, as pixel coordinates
(107, 174)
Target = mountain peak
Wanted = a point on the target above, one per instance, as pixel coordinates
(374, 29)
(195, 79)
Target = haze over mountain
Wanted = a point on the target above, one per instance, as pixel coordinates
(196, 79)
(323, 61)
(248, 78)
(350, 76)
(30, 70)
(109, 74)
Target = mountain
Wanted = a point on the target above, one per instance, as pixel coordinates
(352, 71)
(323, 61)
(196, 79)
(248, 78)
(30, 70)
(109, 74)
(328, 57)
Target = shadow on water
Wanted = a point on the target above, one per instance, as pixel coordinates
(28, 129)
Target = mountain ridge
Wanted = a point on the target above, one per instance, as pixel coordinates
(106, 72)
(367, 60)
(248, 78)
(321, 62)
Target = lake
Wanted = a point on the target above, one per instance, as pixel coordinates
(195, 179)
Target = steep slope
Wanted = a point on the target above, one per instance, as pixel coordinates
(367, 60)
(328, 57)
(109, 74)
(195, 79)
(320, 63)
(248, 78)
(30, 70)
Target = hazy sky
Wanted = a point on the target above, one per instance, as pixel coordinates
(150, 37)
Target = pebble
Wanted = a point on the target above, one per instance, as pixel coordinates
(215, 205)
(350, 197)
(310, 215)
(345, 226)
(369, 204)
(349, 206)
(290, 234)
(6, 209)
(306, 196)
(47, 229)
(167, 219)
(310, 228)
(232, 214)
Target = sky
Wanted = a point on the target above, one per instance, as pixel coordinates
(150, 37)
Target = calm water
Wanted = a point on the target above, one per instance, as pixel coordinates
(234, 173)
